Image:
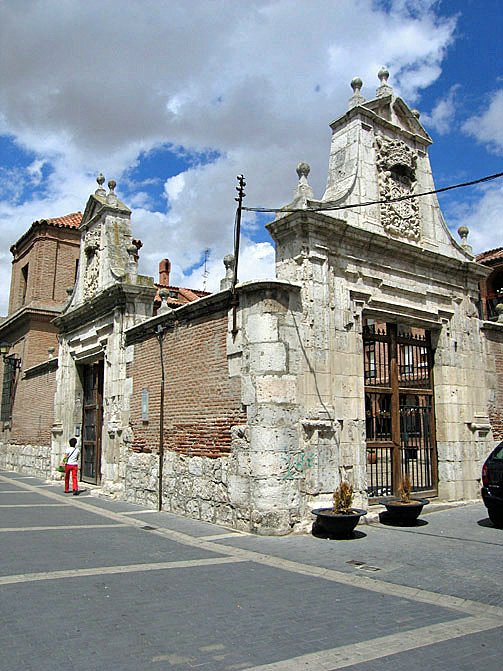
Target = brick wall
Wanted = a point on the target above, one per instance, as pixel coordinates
(33, 411)
(51, 254)
(40, 337)
(16, 282)
(201, 402)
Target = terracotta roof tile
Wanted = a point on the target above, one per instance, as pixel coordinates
(71, 220)
(179, 295)
(490, 255)
(68, 220)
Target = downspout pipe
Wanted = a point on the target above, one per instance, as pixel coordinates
(160, 335)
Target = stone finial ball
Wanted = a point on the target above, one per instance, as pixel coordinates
(303, 169)
(383, 74)
(100, 179)
(112, 184)
(229, 260)
(356, 83)
(463, 231)
(416, 113)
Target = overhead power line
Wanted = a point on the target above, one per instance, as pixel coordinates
(373, 202)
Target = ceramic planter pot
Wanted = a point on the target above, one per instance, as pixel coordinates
(336, 525)
(404, 514)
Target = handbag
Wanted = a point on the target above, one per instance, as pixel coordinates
(61, 468)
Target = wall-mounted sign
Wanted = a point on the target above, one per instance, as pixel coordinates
(144, 405)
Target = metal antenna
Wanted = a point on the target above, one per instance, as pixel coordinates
(206, 272)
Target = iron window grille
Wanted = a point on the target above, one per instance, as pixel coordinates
(11, 365)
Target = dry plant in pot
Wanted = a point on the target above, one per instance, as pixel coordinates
(340, 520)
(404, 510)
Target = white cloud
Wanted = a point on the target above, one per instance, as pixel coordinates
(482, 217)
(442, 115)
(35, 170)
(174, 186)
(487, 127)
(257, 83)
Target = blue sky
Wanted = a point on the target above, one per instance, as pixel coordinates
(174, 99)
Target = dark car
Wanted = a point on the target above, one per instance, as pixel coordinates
(492, 481)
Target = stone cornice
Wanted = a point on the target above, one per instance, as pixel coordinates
(370, 115)
(41, 368)
(114, 297)
(26, 313)
(327, 227)
(97, 207)
(497, 327)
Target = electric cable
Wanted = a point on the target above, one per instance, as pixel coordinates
(332, 208)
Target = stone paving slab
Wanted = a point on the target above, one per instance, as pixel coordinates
(47, 517)
(76, 548)
(162, 599)
(472, 652)
(197, 528)
(20, 497)
(407, 556)
(243, 614)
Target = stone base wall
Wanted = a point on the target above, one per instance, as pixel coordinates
(141, 479)
(34, 460)
(194, 487)
(197, 487)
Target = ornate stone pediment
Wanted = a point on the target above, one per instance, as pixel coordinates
(396, 167)
(92, 253)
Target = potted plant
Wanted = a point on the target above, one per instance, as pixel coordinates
(405, 510)
(340, 520)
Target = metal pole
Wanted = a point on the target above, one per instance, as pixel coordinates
(160, 334)
(237, 235)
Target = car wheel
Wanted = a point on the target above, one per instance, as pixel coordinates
(496, 516)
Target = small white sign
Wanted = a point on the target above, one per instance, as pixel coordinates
(144, 405)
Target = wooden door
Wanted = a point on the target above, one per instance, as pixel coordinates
(92, 422)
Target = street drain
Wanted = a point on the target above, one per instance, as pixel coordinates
(147, 528)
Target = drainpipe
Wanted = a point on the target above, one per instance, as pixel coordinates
(160, 333)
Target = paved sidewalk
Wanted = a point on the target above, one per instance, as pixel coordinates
(92, 584)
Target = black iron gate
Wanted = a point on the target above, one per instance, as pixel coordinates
(400, 422)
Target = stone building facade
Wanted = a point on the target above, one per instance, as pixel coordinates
(361, 361)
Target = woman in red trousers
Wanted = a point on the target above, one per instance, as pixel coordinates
(72, 464)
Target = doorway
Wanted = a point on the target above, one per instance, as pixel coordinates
(92, 422)
(399, 412)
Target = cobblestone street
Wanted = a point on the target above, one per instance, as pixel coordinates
(92, 584)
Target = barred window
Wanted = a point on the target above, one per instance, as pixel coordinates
(9, 378)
